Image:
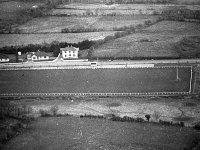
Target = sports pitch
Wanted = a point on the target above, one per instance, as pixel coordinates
(114, 80)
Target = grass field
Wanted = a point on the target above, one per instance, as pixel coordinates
(11, 11)
(25, 39)
(120, 9)
(124, 6)
(92, 134)
(120, 80)
(56, 24)
(158, 40)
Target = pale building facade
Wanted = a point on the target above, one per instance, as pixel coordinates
(4, 58)
(69, 52)
(34, 56)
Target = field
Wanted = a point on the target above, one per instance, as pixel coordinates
(158, 40)
(157, 7)
(25, 39)
(92, 134)
(121, 80)
(10, 11)
(56, 24)
(108, 22)
(119, 9)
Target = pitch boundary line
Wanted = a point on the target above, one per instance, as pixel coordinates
(95, 94)
(97, 67)
(191, 77)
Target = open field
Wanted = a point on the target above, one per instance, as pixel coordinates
(115, 80)
(158, 40)
(25, 39)
(118, 9)
(10, 11)
(56, 24)
(92, 134)
(109, 22)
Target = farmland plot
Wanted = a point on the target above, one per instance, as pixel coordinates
(101, 11)
(123, 9)
(92, 134)
(25, 39)
(155, 41)
(11, 10)
(128, 6)
(110, 22)
(56, 24)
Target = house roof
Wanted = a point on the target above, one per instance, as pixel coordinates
(3, 56)
(39, 54)
(69, 49)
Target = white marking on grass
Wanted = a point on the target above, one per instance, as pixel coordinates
(190, 81)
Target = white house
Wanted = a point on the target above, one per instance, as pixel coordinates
(4, 58)
(35, 56)
(69, 52)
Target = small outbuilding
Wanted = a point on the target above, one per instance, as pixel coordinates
(4, 58)
(38, 56)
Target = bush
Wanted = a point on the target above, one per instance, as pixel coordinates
(197, 126)
(54, 110)
(147, 117)
(44, 113)
(156, 115)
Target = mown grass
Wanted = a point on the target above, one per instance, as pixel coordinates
(116, 80)
(25, 39)
(103, 23)
(83, 133)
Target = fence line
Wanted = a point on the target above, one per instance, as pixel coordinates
(95, 94)
(90, 67)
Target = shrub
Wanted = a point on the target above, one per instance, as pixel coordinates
(44, 113)
(147, 117)
(197, 126)
(138, 119)
(156, 115)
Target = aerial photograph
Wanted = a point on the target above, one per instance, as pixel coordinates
(99, 74)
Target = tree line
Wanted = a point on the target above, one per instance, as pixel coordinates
(45, 47)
